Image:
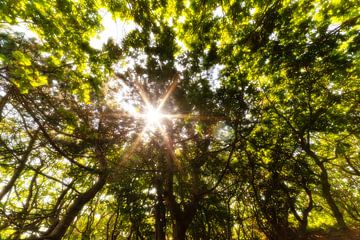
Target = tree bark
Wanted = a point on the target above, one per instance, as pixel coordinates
(179, 230)
(325, 186)
(181, 218)
(326, 191)
(160, 211)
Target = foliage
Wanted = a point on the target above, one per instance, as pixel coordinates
(259, 137)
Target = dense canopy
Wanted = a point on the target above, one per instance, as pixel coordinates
(179, 119)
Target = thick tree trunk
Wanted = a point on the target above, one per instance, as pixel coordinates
(326, 191)
(179, 230)
(182, 214)
(181, 218)
(160, 211)
(326, 187)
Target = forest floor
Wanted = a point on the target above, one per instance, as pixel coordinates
(352, 234)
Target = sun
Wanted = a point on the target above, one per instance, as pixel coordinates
(153, 115)
(153, 118)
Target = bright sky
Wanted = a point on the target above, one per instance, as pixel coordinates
(113, 28)
(20, 27)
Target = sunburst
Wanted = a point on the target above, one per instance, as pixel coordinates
(153, 115)
(155, 120)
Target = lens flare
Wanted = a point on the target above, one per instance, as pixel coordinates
(153, 118)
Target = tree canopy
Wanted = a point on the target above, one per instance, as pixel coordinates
(168, 119)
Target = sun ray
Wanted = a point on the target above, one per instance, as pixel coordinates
(168, 93)
(174, 161)
(192, 117)
(154, 120)
(133, 146)
(143, 95)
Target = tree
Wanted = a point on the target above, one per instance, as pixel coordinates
(208, 120)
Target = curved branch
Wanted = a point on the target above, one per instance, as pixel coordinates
(59, 229)
(52, 142)
(19, 168)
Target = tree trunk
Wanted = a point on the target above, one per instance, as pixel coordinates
(228, 220)
(179, 230)
(160, 211)
(325, 186)
(326, 191)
